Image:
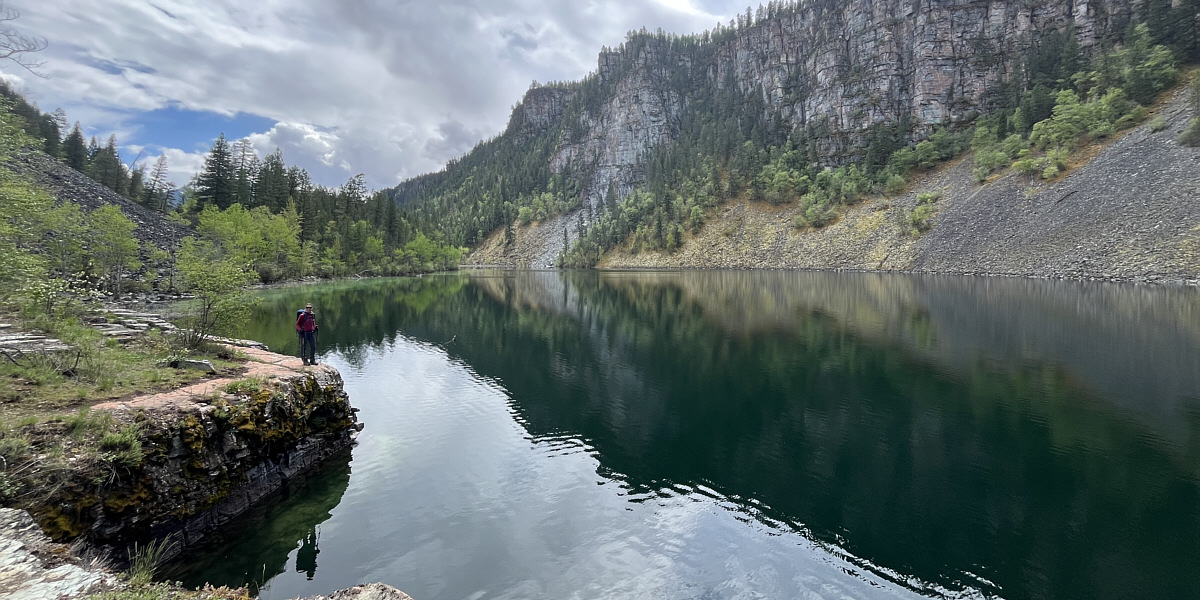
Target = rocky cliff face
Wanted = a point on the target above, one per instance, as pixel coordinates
(834, 68)
(1127, 215)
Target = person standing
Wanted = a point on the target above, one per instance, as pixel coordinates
(306, 326)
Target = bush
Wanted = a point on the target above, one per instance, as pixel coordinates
(921, 217)
(1191, 137)
(1157, 124)
(815, 211)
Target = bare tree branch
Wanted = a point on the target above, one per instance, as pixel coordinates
(16, 45)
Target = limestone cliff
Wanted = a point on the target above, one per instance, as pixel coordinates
(837, 68)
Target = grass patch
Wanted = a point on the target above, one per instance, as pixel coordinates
(97, 371)
(167, 591)
(122, 448)
(246, 387)
(145, 559)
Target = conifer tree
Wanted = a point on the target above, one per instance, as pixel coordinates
(215, 183)
(74, 150)
(271, 182)
(245, 171)
(155, 195)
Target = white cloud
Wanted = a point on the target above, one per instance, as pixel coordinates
(390, 89)
(181, 165)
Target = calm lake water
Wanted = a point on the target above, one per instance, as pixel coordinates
(708, 435)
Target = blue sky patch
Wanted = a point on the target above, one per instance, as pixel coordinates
(193, 131)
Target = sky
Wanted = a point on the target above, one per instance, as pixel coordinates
(388, 88)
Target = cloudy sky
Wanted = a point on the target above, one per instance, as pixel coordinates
(389, 88)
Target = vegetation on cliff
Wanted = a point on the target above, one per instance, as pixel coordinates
(1033, 134)
(726, 139)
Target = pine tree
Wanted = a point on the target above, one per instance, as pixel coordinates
(104, 165)
(246, 170)
(137, 183)
(271, 182)
(215, 184)
(74, 150)
(155, 195)
(51, 135)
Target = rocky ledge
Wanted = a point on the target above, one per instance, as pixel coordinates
(208, 452)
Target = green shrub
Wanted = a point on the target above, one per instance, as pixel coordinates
(1191, 137)
(921, 217)
(1136, 115)
(895, 184)
(1157, 124)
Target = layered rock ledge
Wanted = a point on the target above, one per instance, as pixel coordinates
(209, 451)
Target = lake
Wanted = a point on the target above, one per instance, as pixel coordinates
(728, 434)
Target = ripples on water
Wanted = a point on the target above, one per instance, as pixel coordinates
(623, 438)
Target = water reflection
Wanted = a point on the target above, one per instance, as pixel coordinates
(284, 523)
(1029, 439)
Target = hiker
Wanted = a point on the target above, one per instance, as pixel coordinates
(306, 326)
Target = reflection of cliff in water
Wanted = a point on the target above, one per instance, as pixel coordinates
(949, 321)
(929, 425)
(287, 522)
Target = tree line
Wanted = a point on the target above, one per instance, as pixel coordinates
(302, 229)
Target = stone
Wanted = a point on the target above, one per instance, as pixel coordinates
(198, 365)
(26, 575)
(368, 591)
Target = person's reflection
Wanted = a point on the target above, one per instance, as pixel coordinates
(306, 557)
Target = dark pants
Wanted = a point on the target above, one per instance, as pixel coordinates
(308, 345)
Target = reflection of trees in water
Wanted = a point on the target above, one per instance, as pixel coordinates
(935, 468)
(897, 417)
(255, 547)
(354, 317)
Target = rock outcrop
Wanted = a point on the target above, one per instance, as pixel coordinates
(34, 568)
(209, 451)
(1127, 213)
(369, 591)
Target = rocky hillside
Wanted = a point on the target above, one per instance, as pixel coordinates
(67, 184)
(1130, 213)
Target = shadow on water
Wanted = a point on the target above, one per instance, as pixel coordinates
(293, 521)
(1030, 439)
